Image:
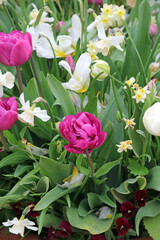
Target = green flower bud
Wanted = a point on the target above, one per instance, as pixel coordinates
(98, 67)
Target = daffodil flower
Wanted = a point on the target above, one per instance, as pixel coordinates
(141, 94)
(34, 14)
(130, 82)
(30, 111)
(80, 79)
(74, 180)
(124, 145)
(6, 80)
(129, 123)
(105, 43)
(19, 225)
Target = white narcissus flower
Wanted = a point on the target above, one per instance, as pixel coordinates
(124, 145)
(19, 225)
(129, 123)
(105, 43)
(6, 80)
(141, 94)
(98, 67)
(74, 180)
(130, 82)
(34, 14)
(30, 111)
(151, 119)
(80, 79)
(120, 14)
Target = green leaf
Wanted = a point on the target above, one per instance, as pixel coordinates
(91, 106)
(47, 220)
(52, 196)
(152, 226)
(94, 200)
(20, 169)
(56, 171)
(79, 166)
(43, 185)
(90, 223)
(136, 168)
(41, 220)
(61, 94)
(14, 158)
(153, 179)
(125, 188)
(151, 209)
(105, 168)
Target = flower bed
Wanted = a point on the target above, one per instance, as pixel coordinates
(79, 119)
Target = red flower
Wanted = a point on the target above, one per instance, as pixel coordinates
(52, 233)
(16, 206)
(123, 226)
(128, 209)
(98, 237)
(65, 229)
(33, 213)
(140, 197)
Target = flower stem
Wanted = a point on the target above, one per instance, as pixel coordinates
(4, 141)
(89, 161)
(19, 79)
(36, 77)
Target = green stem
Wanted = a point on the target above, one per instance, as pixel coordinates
(116, 80)
(19, 77)
(36, 77)
(120, 171)
(4, 141)
(144, 152)
(116, 99)
(90, 162)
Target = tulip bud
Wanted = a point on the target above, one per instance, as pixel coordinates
(70, 61)
(57, 28)
(151, 119)
(153, 30)
(131, 3)
(98, 67)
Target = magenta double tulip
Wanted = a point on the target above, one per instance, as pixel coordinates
(82, 131)
(100, 2)
(8, 112)
(15, 48)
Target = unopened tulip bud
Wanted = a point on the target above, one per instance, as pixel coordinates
(131, 3)
(98, 67)
(70, 61)
(57, 28)
(153, 30)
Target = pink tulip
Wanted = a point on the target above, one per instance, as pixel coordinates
(95, 2)
(70, 61)
(8, 112)
(82, 131)
(57, 26)
(15, 48)
(153, 30)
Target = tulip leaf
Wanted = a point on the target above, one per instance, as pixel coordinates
(90, 223)
(48, 220)
(136, 168)
(61, 94)
(125, 188)
(56, 171)
(14, 158)
(91, 106)
(153, 179)
(43, 185)
(152, 226)
(151, 209)
(52, 196)
(105, 168)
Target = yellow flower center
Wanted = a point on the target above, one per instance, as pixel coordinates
(128, 142)
(129, 122)
(120, 13)
(109, 216)
(92, 56)
(105, 20)
(142, 91)
(92, 46)
(139, 96)
(128, 82)
(123, 146)
(107, 10)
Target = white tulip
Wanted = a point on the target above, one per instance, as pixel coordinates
(98, 67)
(80, 79)
(151, 119)
(6, 80)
